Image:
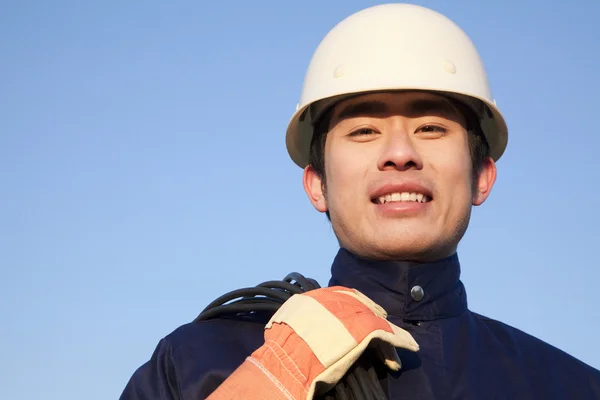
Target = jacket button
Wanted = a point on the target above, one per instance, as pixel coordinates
(417, 293)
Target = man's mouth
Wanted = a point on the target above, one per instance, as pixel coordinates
(402, 197)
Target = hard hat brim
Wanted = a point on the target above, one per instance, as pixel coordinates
(301, 126)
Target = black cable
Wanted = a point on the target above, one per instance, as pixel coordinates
(282, 285)
(235, 309)
(314, 283)
(354, 386)
(340, 392)
(377, 390)
(248, 292)
(359, 383)
(302, 281)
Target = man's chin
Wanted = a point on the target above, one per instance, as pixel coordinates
(414, 249)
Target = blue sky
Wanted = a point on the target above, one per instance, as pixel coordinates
(144, 172)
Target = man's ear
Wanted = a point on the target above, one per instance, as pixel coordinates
(484, 183)
(313, 186)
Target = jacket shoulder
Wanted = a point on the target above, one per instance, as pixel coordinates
(542, 360)
(230, 333)
(191, 361)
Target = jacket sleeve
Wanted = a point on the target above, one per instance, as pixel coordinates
(156, 379)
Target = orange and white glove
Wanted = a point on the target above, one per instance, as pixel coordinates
(314, 337)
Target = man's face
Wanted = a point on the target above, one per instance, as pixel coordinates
(398, 176)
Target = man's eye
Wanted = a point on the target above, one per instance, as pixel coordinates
(432, 129)
(362, 131)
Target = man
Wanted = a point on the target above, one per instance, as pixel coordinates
(398, 135)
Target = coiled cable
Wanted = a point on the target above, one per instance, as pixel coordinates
(361, 382)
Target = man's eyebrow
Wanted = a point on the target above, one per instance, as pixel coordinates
(423, 107)
(367, 108)
(416, 108)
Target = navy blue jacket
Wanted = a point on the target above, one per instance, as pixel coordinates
(463, 355)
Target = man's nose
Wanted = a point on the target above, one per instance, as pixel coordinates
(399, 152)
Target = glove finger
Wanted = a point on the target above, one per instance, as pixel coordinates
(386, 343)
(387, 353)
(401, 338)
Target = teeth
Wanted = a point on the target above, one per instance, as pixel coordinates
(404, 196)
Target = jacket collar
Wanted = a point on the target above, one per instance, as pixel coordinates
(394, 285)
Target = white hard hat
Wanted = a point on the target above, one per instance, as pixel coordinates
(394, 47)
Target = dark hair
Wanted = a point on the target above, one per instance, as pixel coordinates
(479, 148)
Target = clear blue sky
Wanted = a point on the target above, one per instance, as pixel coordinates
(143, 172)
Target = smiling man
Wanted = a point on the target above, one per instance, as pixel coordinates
(398, 136)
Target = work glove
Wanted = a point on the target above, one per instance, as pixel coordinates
(311, 342)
